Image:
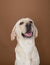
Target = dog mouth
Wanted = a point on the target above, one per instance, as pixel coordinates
(27, 34)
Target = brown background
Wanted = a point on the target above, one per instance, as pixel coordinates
(10, 12)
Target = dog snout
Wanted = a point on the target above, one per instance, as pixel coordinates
(28, 27)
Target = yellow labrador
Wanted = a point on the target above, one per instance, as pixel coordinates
(26, 52)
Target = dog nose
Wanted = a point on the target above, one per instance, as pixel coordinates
(28, 27)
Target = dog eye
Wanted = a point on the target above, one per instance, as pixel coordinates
(30, 21)
(21, 23)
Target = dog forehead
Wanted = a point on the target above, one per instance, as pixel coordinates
(24, 20)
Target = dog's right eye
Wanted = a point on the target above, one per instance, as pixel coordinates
(21, 23)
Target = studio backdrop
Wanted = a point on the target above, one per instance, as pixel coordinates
(10, 12)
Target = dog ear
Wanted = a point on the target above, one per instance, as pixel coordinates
(13, 34)
(35, 31)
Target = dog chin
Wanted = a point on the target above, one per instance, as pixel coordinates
(27, 34)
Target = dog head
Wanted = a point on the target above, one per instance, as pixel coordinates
(24, 28)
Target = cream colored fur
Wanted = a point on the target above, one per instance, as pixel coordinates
(25, 51)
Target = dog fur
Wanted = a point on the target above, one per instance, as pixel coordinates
(26, 52)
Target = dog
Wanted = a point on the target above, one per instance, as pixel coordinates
(26, 51)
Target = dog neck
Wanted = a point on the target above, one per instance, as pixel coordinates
(26, 44)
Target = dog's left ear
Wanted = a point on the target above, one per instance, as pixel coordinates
(13, 34)
(35, 31)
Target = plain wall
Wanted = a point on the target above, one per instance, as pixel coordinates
(10, 12)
